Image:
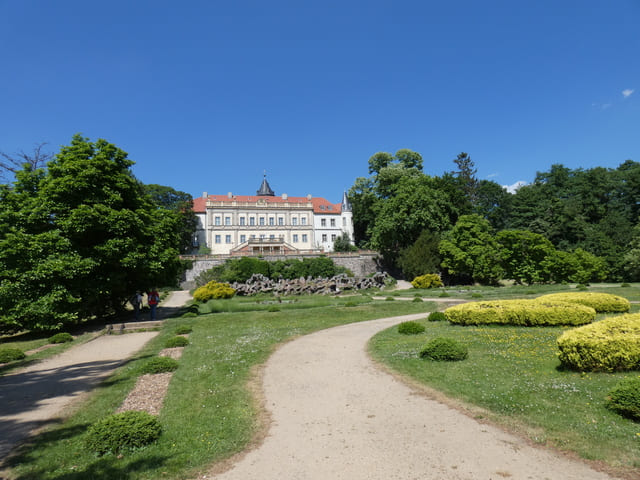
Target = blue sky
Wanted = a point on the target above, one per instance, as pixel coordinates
(206, 95)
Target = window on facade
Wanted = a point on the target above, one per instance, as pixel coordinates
(304, 238)
(333, 222)
(294, 221)
(241, 220)
(243, 238)
(227, 239)
(344, 222)
(280, 221)
(261, 220)
(252, 220)
(324, 237)
(272, 221)
(303, 221)
(262, 236)
(253, 236)
(272, 237)
(323, 222)
(333, 237)
(227, 220)
(217, 222)
(295, 238)
(218, 239)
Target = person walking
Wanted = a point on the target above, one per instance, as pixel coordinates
(136, 303)
(153, 298)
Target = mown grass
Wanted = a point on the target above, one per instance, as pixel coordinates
(208, 413)
(513, 374)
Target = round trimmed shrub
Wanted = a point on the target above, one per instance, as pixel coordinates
(410, 328)
(273, 308)
(389, 299)
(176, 342)
(61, 337)
(183, 329)
(160, 365)
(213, 290)
(600, 302)
(189, 315)
(444, 349)
(608, 345)
(625, 398)
(417, 300)
(350, 303)
(123, 431)
(430, 280)
(476, 295)
(444, 295)
(625, 285)
(436, 317)
(10, 354)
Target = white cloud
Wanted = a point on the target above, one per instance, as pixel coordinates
(491, 175)
(513, 188)
(627, 92)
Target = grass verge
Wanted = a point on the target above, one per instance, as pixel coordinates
(513, 374)
(208, 414)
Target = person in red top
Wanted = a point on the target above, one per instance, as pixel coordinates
(153, 298)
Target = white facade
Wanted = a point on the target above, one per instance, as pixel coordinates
(262, 224)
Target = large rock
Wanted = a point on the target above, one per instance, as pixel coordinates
(258, 283)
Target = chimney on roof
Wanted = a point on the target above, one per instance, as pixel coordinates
(205, 194)
(229, 195)
(309, 197)
(284, 196)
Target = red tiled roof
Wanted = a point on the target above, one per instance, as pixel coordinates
(320, 205)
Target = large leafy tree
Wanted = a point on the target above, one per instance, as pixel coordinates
(470, 251)
(78, 239)
(525, 256)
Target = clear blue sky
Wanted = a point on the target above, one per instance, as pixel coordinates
(205, 95)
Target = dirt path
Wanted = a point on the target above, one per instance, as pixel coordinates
(335, 415)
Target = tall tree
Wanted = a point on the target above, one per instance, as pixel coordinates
(467, 174)
(11, 164)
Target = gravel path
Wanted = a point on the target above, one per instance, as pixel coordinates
(335, 415)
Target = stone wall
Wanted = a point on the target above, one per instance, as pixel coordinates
(361, 263)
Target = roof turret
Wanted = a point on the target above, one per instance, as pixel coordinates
(346, 204)
(265, 189)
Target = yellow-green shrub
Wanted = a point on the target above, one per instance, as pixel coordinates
(608, 345)
(520, 312)
(213, 289)
(430, 280)
(600, 302)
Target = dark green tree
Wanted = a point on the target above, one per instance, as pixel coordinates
(524, 256)
(343, 244)
(422, 257)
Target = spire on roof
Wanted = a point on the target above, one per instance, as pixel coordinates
(346, 205)
(265, 189)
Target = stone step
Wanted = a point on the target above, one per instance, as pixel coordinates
(132, 326)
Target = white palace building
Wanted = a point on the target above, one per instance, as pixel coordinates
(268, 224)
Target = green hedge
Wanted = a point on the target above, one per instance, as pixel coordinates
(212, 290)
(608, 345)
(520, 312)
(600, 302)
(430, 280)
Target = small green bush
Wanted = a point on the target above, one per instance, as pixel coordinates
(410, 328)
(273, 308)
(476, 295)
(123, 431)
(437, 317)
(61, 337)
(625, 398)
(417, 300)
(213, 290)
(444, 295)
(350, 303)
(625, 285)
(189, 315)
(10, 354)
(430, 280)
(176, 342)
(160, 365)
(608, 345)
(389, 299)
(183, 329)
(444, 349)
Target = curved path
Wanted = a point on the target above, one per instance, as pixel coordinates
(335, 415)
(36, 396)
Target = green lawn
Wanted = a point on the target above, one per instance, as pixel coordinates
(513, 374)
(209, 413)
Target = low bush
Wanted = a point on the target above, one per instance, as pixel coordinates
(273, 308)
(213, 290)
(476, 295)
(389, 299)
(417, 300)
(189, 315)
(600, 302)
(444, 295)
(10, 354)
(174, 342)
(430, 280)
(123, 431)
(444, 349)
(160, 365)
(183, 329)
(350, 303)
(625, 285)
(410, 328)
(437, 317)
(608, 345)
(532, 312)
(625, 398)
(61, 337)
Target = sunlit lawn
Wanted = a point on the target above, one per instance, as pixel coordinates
(512, 373)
